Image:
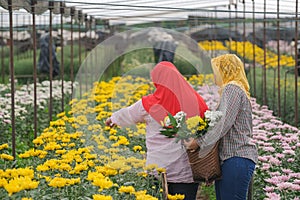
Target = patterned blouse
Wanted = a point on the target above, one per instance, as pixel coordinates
(234, 130)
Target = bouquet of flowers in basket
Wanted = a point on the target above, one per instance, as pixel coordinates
(179, 127)
(205, 168)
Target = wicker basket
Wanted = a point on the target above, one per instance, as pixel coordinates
(205, 169)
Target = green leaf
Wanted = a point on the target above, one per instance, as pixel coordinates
(168, 133)
(172, 120)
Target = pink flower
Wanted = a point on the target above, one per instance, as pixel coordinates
(284, 186)
(275, 173)
(274, 180)
(260, 137)
(269, 189)
(275, 121)
(291, 152)
(279, 155)
(273, 196)
(287, 171)
(260, 143)
(297, 181)
(295, 187)
(271, 126)
(276, 137)
(284, 178)
(268, 144)
(274, 161)
(270, 149)
(8, 121)
(295, 175)
(256, 121)
(262, 158)
(292, 138)
(265, 167)
(286, 146)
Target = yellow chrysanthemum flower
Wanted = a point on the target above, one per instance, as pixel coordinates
(126, 189)
(6, 156)
(142, 195)
(104, 183)
(101, 197)
(176, 197)
(144, 174)
(3, 146)
(161, 170)
(137, 148)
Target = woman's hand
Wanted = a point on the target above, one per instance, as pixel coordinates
(191, 145)
(109, 123)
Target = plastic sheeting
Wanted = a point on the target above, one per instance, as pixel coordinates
(216, 33)
(16, 4)
(144, 11)
(40, 6)
(164, 51)
(164, 45)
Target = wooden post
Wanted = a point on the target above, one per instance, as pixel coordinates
(164, 185)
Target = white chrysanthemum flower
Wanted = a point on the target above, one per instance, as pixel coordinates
(179, 117)
(178, 125)
(213, 117)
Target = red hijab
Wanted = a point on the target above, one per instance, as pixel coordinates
(173, 94)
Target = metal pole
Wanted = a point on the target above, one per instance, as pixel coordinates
(254, 43)
(29, 53)
(236, 27)
(296, 67)
(229, 27)
(72, 50)
(62, 11)
(2, 52)
(79, 40)
(51, 6)
(92, 40)
(215, 32)
(92, 59)
(79, 44)
(244, 31)
(12, 78)
(284, 104)
(17, 33)
(278, 61)
(264, 93)
(33, 2)
(85, 29)
(86, 47)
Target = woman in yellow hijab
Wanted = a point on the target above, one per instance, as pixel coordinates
(237, 152)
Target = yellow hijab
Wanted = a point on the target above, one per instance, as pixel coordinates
(229, 69)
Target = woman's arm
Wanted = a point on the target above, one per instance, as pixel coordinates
(230, 105)
(128, 116)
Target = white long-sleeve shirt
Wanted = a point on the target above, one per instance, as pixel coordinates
(162, 151)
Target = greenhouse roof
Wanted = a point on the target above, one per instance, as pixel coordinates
(143, 11)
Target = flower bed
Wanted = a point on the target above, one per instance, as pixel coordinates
(77, 157)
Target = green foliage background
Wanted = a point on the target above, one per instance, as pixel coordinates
(23, 64)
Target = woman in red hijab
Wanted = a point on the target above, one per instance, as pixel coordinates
(173, 94)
